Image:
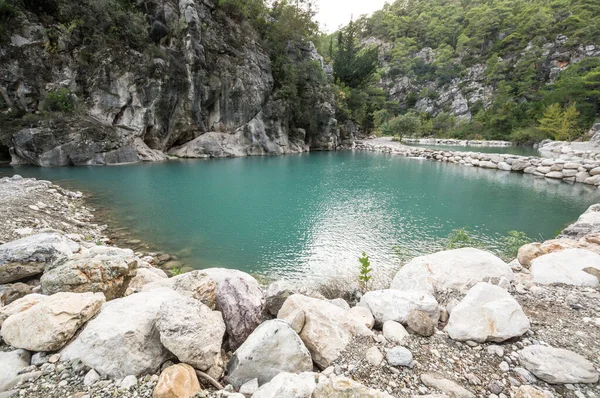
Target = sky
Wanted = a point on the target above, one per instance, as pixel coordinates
(333, 13)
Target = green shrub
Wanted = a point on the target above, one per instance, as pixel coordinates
(460, 238)
(512, 242)
(60, 100)
(365, 271)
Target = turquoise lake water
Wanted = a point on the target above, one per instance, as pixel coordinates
(512, 150)
(311, 215)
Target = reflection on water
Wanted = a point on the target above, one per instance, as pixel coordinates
(311, 215)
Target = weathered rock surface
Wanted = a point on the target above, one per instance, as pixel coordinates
(394, 332)
(420, 323)
(325, 329)
(556, 365)
(446, 386)
(396, 305)
(193, 333)
(11, 363)
(196, 284)
(487, 313)
(587, 223)
(276, 294)
(13, 291)
(177, 381)
(50, 324)
(399, 356)
(274, 347)
(29, 256)
(20, 305)
(240, 300)
(143, 276)
(99, 269)
(123, 338)
(531, 251)
(451, 269)
(363, 315)
(340, 386)
(288, 385)
(567, 266)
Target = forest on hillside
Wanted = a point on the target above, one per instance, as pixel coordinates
(509, 39)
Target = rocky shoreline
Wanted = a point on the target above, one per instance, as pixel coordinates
(79, 318)
(577, 170)
(456, 142)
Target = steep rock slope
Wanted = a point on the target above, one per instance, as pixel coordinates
(203, 89)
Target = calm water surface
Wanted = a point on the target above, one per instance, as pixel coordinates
(312, 215)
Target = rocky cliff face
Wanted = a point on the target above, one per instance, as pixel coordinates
(204, 90)
(470, 91)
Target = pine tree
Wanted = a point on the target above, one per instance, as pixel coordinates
(569, 129)
(551, 122)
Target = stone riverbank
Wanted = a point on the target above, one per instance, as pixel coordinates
(100, 321)
(586, 171)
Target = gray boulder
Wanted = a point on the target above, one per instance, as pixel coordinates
(196, 284)
(240, 300)
(29, 256)
(272, 348)
(570, 266)
(487, 313)
(99, 269)
(557, 366)
(276, 294)
(399, 356)
(123, 339)
(288, 385)
(11, 363)
(193, 333)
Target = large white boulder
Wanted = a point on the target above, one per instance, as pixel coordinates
(123, 339)
(193, 333)
(487, 313)
(289, 385)
(557, 366)
(272, 348)
(196, 284)
(396, 305)
(50, 324)
(325, 328)
(143, 277)
(567, 267)
(98, 269)
(29, 256)
(240, 300)
(451, 269)
(11, 363)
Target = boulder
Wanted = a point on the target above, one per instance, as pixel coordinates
(20, 305)
(399, 356)
(50, 324)
(374, 356)
(193, 333)
(99, 269)
(240, 300)
(394, 332)
(13, 291)
(531, 251)
(340, 386)
(142, 277)
(363, 315)
(325, 329)
(277, 293)
(288, 385)
(396, 305)
(557, 366)
(29, 256)
(274, 347)
(195, 284)
(566, 267)
(123, 338)
(446, 386)
(177, 381)
(487, 313)
(11, 363)
(420, 323)
(451, 269)
(530, 392)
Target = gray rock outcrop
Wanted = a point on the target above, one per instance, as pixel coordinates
(556, 365)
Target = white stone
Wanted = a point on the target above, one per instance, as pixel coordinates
(374, 356)
(288, 385)
(324, 328)
(123, 338)
(363, 315)
(193, 333)
(50, 324)
(450, 269)
(566, 266)
(274, 347)
(399, 356)
(396, 305)
(20, 305)
(91, 378)
(128, 382)
(340, 386)
(11, 363)
(487, 313)
(395, 332)
(557, 366)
